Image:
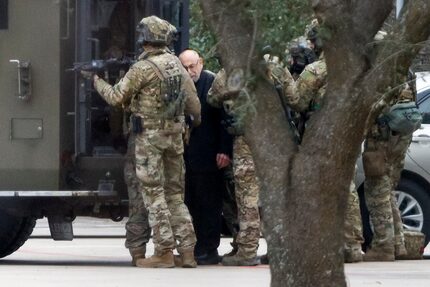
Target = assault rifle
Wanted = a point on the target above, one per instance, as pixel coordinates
(279, 89)
(103, 67)
(288, 113)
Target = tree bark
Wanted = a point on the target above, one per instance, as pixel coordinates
(304, 188)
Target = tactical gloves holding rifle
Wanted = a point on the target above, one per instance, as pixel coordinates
(102, 68)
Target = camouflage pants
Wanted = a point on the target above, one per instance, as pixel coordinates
(379, 191)
(399, 150)
(353, 224)
(160, 167)
(247, 190)
(229, 205)
(137, 227)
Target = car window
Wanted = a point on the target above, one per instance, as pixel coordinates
(424, 107)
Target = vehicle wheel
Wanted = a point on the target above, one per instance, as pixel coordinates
(414, 205)
(14, 231)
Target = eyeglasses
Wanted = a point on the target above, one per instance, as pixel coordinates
(192, 66)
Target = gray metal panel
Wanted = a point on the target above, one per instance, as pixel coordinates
(23, 129)
(32, 36)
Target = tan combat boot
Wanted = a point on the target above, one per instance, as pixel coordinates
(241, 259)
(352, 253)
(379, 254)
(137, 253)
(236, 260)
(185, 260)
(233, 251)
(400, 252)
(157, 261)
(188, 260)
(178, 260)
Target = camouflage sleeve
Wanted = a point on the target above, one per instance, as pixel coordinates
(124, 89)
(306, 88)
(218, 93)
(406, 94)
(192, 102)
(283, 76)
(384, 104)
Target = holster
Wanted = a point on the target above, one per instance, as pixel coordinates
(374, 163)
(383, 128)
(136, 124)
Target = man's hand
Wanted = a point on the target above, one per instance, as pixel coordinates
(222, 160)
(87, 75)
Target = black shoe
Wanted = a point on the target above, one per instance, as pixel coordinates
(211, 258)
(264, 259)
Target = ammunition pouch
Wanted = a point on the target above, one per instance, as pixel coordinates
(374, 163)
(174, 126)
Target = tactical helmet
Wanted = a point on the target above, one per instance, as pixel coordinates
(312, 30)
(312, 34)
(156, 31)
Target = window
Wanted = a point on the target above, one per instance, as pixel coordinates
(3, 14)
(172, 12)
(424, 107)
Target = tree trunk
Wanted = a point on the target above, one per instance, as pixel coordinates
(304, 188)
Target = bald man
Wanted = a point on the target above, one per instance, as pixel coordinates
(207, 155)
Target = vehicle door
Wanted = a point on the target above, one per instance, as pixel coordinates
(420, 146)
(29, 101)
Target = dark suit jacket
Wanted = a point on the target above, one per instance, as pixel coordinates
(211, 137)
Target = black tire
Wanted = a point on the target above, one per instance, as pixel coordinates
(14, 231)
(414, 190)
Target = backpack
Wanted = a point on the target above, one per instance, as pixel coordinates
(404, 118)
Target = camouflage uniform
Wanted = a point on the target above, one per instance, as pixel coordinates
(137, 227)
(306, 95)
(353, 227)
(379, 185)
(159, 147)
(246, 186)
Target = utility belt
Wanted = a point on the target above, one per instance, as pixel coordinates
(139, 124)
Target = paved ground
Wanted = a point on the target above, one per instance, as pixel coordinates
(105, 262)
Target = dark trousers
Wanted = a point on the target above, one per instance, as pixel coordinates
(203, 196)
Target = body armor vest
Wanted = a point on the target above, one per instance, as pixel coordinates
(161, 98)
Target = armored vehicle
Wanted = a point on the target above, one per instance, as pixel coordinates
(61, 146)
